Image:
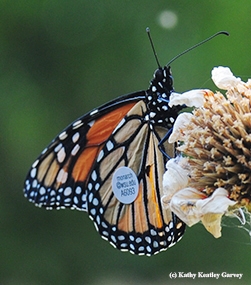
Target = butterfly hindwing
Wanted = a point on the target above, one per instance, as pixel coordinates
(141, 227)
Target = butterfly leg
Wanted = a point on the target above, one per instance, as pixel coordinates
(162, 141)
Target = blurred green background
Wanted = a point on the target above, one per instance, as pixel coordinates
(58, 60)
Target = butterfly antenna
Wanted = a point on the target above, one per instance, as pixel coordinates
(154, 51)
(195, 46)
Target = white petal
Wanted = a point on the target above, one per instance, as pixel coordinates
(192, 98)
(249, 83)
(217, 203)
(212, 210)
(180, 124)
(212, 223)
(224, 79)
(192, 206)
(176, 177)
(183, 205)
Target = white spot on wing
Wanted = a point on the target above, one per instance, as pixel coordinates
(77, 124)
(93, 212)
(62, 176)
(61, 155)
(84, 197)
(120, 124)
(138, 240)
(75, 137)
(78, 190)
(100, 155)
(34, 183)
(91, 123)
(44, 151)
(153, 232)
(94, 112)
(63, 135)
(67, 191)
(94, 175)
(42, 191)
(109, 145)
(95, 202)
(35, 163)
(148, 239)
(58, 147)
(33, 172)
(75, 149)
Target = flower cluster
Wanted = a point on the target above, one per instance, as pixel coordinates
(211, 175)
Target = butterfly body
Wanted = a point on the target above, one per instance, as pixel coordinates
(76, 170)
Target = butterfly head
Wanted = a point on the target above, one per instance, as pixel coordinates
(162, 81)
(157, 98)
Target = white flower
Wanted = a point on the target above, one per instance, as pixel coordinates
(192, 98)
(211, 177)
(224, 79)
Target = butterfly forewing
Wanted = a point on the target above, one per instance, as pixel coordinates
(66, 163)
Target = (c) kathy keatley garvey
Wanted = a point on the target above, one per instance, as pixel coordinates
(211, 175)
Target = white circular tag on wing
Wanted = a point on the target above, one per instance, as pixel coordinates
(125, 185)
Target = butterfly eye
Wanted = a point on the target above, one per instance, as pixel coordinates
(158, 75)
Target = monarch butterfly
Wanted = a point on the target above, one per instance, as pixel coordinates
(78, 169)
